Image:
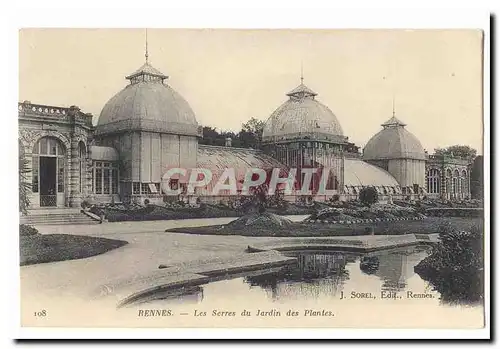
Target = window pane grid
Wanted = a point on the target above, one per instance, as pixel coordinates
(105, 179)
(433, 181)
(43, 145)
(53, 146)
(60, 175)
(136, 188)
(98, 181)
(114, 181)
(48, 147)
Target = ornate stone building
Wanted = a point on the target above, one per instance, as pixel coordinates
(448, 177)
(147, 127)
(56, 142)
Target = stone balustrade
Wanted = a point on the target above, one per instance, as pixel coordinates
(448, 159)
(28, 109)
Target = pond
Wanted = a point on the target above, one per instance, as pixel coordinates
(320, 276)
(380, 289)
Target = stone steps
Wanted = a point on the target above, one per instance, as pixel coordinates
(56, 218)
(359, 244)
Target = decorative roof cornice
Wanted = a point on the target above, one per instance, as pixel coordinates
(147, 69)
(301, 91)
(394, 121)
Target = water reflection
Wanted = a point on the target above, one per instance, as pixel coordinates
(397, 267)
(369, 264)
(314, 274)
(317, 274)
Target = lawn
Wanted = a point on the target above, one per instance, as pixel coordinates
(40, 248)
(425, 226)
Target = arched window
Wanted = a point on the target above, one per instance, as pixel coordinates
(465, 182)
(448, 181)
(433, 181)
(48, 166)
(456, 187)
(82, 155)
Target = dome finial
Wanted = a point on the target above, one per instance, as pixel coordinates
(393, 106)
(146, 54)
(301, 72)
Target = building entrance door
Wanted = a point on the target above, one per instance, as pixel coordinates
(48, 181)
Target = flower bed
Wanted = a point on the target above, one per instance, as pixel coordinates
(156, 212)
(455, 212)
(376, 213)
(136, 212)
(427, 204)
(328, 229)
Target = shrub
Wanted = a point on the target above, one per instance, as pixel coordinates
(85, 204)
(27, 230)
(335, 198)
(368, 196)
(277, 200)
(455, 267)
(146, 201)
(24, 185)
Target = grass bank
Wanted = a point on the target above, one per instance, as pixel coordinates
(40, 248)
(427, 226)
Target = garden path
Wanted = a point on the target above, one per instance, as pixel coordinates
(63, 284)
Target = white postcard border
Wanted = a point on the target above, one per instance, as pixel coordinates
(291, 16)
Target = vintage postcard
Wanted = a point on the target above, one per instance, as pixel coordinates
(266, 178)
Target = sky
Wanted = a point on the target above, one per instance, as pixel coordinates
(434, 77)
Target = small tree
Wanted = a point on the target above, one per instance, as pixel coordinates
(462, 151)
(257, 200)
(24, 186)
(277, 200)
(250, 135)
(476, 178)
(368, 196)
